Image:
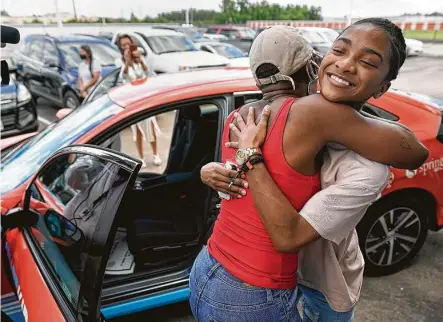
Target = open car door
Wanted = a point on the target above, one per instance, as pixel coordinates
(58, 258)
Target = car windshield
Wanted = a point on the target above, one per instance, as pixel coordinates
(169, 44)
(21, 164)
(331, 35)
(313, 37)
(105, 54)
(229, 51)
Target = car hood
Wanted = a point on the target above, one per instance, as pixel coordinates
(410, 42)
(195, 59)
(425, 99)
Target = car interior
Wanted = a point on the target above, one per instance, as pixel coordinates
(164, 214)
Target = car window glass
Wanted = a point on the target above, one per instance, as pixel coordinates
(71, 194)
(152, 133)
(212, 31)
(103, 53)
(169, 44)
(36, 50)
(111, 80)
(50, 54)
(228, 51)
(376, 111)
(182, 138)
(231, 34)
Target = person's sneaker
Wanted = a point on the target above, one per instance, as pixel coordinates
(157, 160)
(144, 165)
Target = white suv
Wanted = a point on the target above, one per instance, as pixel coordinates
(168, 51)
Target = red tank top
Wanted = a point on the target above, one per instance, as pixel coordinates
(240, 242)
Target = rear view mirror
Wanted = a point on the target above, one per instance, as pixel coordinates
(62, 113)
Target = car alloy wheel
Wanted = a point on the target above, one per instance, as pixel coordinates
(392, 236)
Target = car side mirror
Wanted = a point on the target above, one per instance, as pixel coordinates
(62, 113)
(61, 229)
(142, 50)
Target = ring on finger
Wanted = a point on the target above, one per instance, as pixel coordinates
(230, 185)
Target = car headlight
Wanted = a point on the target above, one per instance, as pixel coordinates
(23, 95)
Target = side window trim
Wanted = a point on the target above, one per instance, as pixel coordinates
(381, 113)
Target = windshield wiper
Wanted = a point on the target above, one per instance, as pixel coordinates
(170, 51)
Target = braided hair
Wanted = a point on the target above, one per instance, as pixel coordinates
(397, 42)
(89, 52)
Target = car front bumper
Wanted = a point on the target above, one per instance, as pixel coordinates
(18, 120)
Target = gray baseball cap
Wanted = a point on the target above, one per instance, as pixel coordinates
(284, 47)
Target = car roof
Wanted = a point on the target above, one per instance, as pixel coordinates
(154, 32)
(171, 87)
(68, 38)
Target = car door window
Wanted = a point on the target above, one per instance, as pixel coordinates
(50, 54)
(77, 196)
(182, 138)
(376, 111)
(36, 50)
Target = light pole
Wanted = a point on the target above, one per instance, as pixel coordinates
(75, 11)
(59, 19)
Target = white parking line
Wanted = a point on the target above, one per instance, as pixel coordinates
(44, 121)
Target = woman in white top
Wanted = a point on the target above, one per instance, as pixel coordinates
(134, 67)
(89, 71)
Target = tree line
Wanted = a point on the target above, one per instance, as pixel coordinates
(231, 11)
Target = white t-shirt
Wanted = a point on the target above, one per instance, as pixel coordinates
(334, 263)
(85, 73)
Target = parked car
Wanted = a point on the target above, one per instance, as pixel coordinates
(18, 110)
(48, 65)
(316, 39)
(195, 34)
(237, 57)
(214, 37)
(168, 51)
(241, 37)
(328, 34)
(166, 214)
(413, 47)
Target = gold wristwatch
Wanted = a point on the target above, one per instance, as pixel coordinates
(243, 155)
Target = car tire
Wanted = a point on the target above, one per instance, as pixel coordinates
(389, 253)
(70, 100)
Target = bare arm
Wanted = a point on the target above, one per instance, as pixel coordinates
(95, 77)
(288, 230)
(377, 140)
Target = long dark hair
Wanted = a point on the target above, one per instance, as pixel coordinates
(89, 52)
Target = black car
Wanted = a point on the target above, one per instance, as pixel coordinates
(18, 110)
(48, 66)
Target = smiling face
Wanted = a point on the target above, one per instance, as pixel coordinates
(357, 65)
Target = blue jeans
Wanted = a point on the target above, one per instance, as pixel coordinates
(217, 296)
(316, 308)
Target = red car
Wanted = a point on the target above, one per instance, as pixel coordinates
(95, 235)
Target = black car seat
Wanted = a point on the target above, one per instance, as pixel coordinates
(169, 229)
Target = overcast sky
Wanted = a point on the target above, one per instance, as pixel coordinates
(114, 8)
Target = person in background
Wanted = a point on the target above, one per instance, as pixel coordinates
(133, 67)
(89, 71)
